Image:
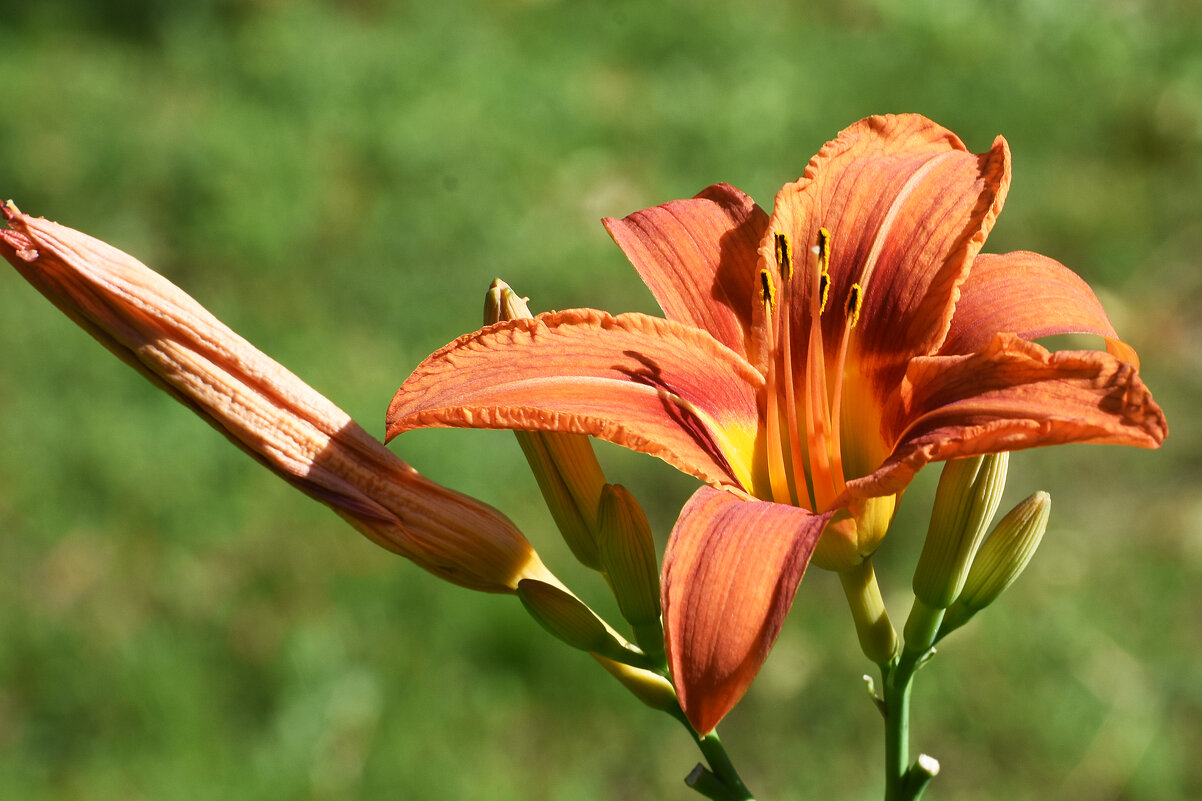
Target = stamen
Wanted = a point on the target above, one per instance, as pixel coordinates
(818, 421)
(853, 306)
(823, 249)
(768, 296)
(784, 256)
(855, 301)
(777, 479)
(794, 469)
(817, 412)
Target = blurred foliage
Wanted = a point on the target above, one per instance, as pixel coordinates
(339, 181)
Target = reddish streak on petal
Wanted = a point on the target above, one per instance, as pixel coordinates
(730, 573)
(905, 199)
(1013, 394)
(642, 382)
(698, 258)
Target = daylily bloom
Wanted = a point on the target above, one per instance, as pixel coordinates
(811, 361)
(286, 425)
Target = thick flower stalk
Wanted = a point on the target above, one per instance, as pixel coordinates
(812, 360)
(265, 410)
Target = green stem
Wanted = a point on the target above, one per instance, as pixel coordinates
(903, 781)
(897, 731)
(723, 768)
(721, 782)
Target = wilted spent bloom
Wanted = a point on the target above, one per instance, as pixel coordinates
(1002, 558)
(265, 410)
(564, 465)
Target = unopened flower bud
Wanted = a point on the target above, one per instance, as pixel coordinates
(502, 303)
(283, 423)
(651, 688)
(627, 552)
(565, 466)
(1004, 555)
(969, 493)
(571, 620)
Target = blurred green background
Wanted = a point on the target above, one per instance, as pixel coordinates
(339, 181)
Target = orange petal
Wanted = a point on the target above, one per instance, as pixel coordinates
(1029, 295)
(1014, 394)
(698, 257)
(730, 573)
(908, 208)
(643, 382)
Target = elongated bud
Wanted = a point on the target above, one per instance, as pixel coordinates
(565, 466)
(268, 412)
(968, 496)
(627, 551)
(570, 619)
(651, 688)
(1002, 558)
(969, 493)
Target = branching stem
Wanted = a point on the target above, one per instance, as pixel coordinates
(904, 781)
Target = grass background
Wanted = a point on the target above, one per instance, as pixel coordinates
(339, 181)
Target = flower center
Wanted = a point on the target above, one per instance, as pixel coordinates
(811, 476)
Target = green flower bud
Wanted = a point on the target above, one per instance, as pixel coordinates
(627, 553)
(564, 465)
(1001, 559)
(967, 498)
(502, 303)
(570, 479)
(568, 618)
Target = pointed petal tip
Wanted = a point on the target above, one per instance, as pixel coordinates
(13, 235)
(731, 571)
(1011, 395)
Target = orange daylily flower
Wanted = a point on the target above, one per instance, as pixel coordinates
(811, 361)
(283, 423)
